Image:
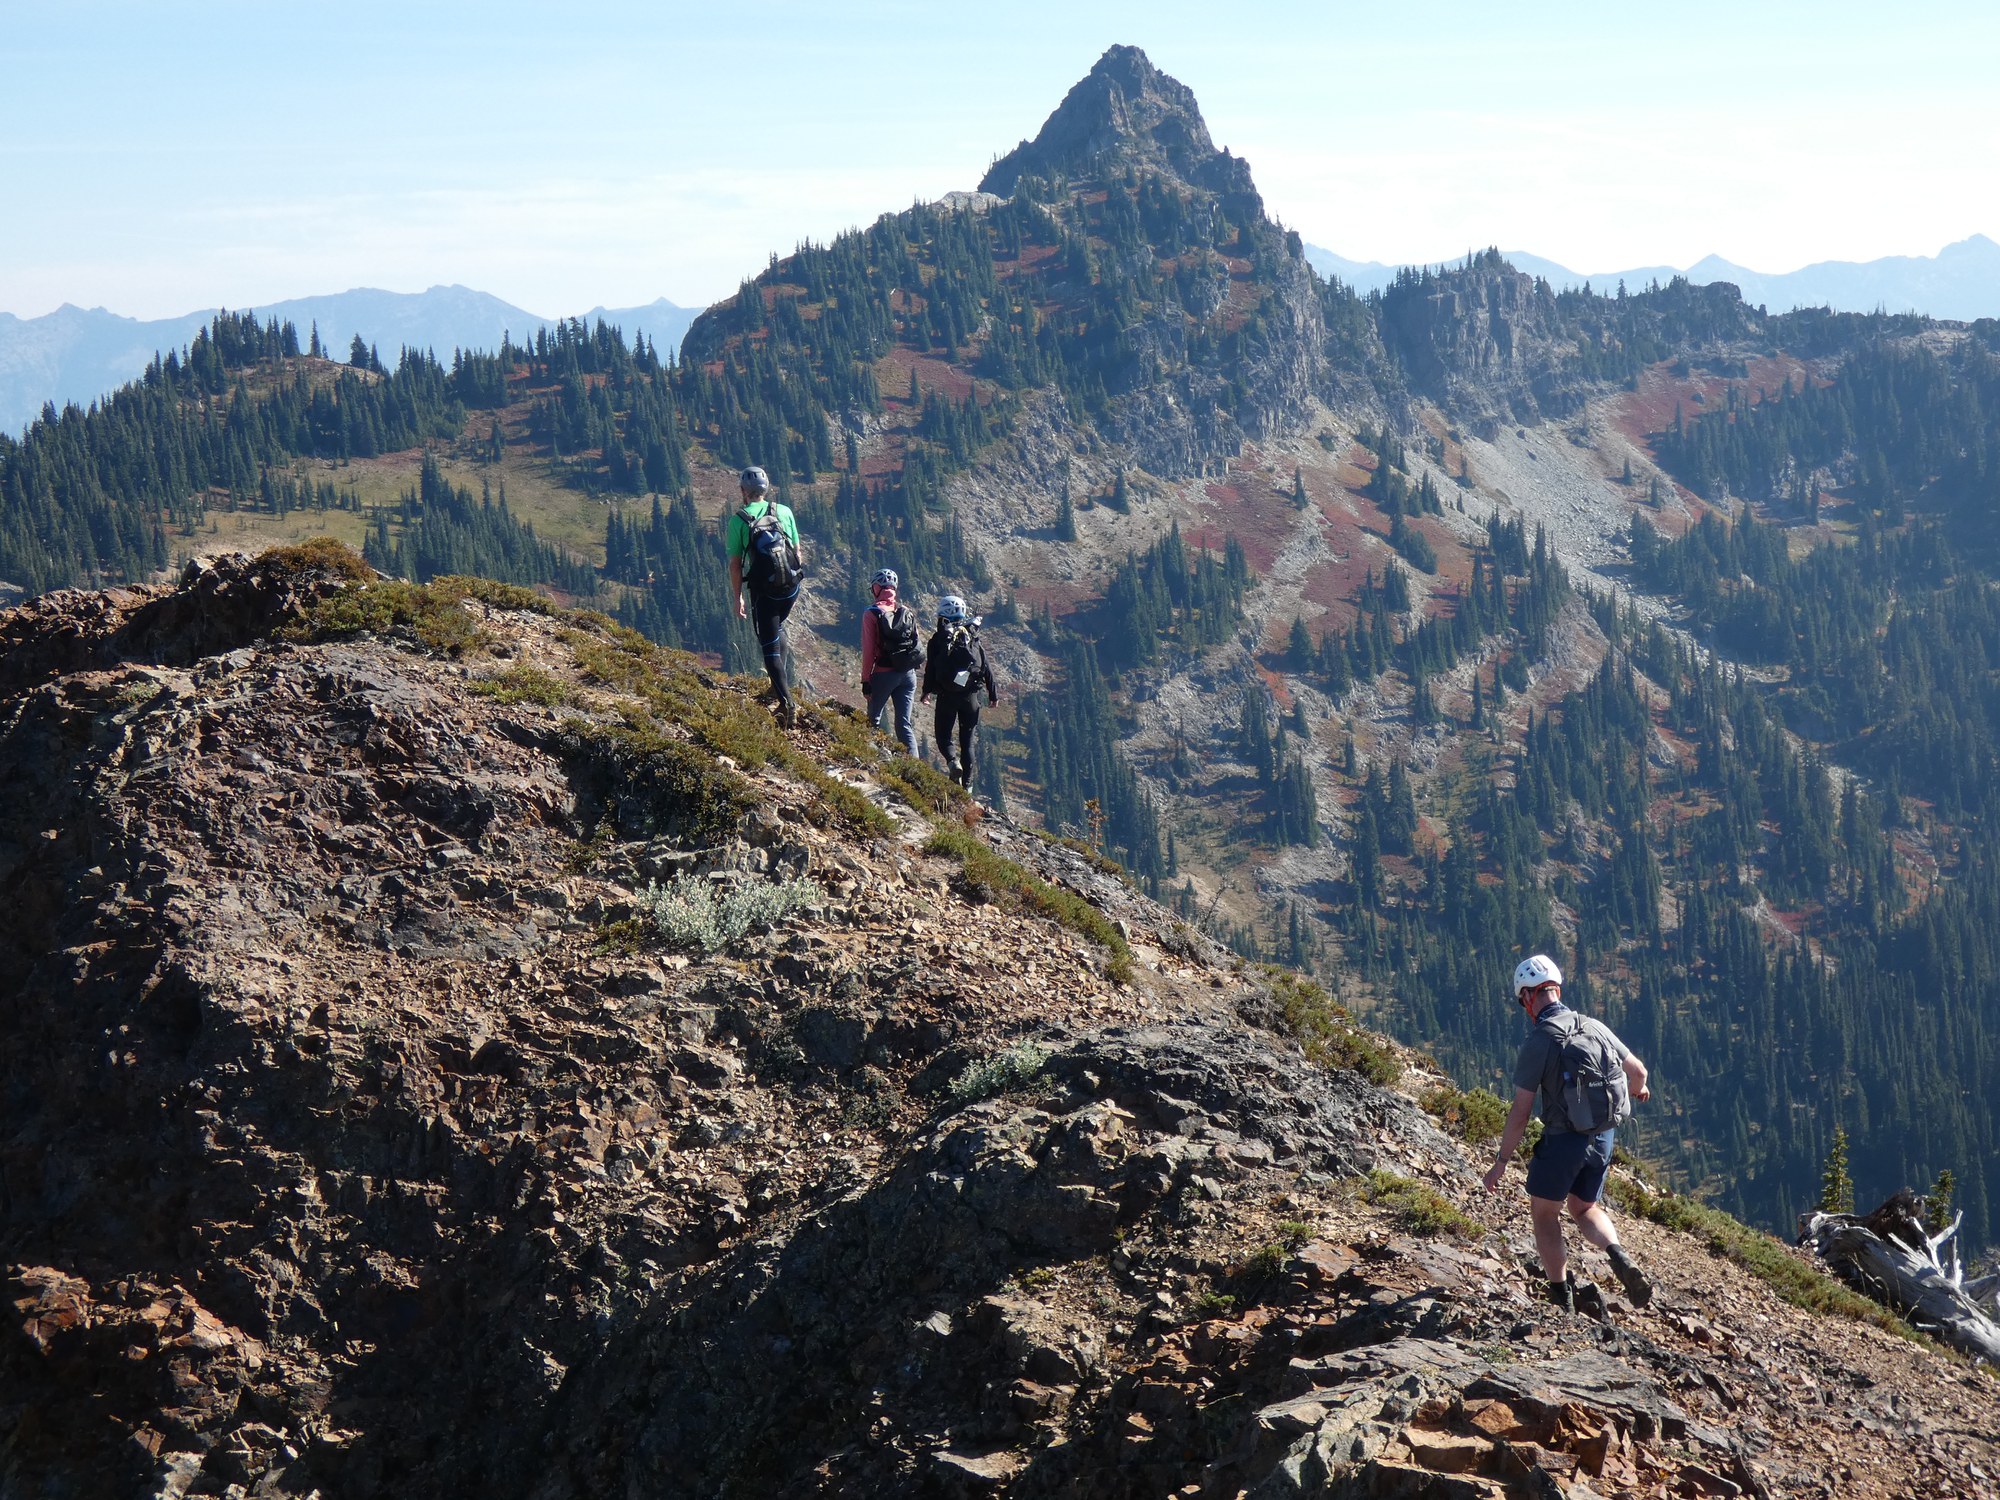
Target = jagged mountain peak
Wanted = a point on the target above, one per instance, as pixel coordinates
(1124, 112)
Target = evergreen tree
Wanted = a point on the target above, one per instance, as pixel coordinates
(1300, 652)
(1937, 1203)
(1836, 1187)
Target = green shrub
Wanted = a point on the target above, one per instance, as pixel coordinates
(1210, 1304)
(1296, 1234)
(433, 614)
(1026, 889)
(924, 787)
(1096, 858)
(1000, 1073)
(1265, 1262)
(523, 684)
(1418, 1208)
(318, 554)
(693, 912)
(1790, 1276)
(672, 687)
(851, 741)
(1475, 1117)
(501, 595)
(1326, 1031)
(680, 787)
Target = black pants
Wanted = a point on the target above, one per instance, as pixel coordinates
(768, 617)
(962, 712)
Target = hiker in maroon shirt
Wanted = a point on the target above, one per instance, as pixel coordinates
(891, 652)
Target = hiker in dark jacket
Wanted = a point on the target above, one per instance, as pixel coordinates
(766, 561)
(891, 652)
(1570, 1163)
(955, 669)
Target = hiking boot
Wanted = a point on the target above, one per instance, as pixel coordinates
(951, 770)
(965, 776)
(1638, 1285)
(1563, 1293)
(788, 715)
(1590, 1301)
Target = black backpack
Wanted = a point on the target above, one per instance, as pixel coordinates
(1595, 1094)
(771, 564)
(897, 648)
(961, 661)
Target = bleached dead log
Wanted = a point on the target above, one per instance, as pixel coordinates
(1985, 1294)
(1889, 1256)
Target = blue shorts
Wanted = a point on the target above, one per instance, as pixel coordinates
(1567, 1163)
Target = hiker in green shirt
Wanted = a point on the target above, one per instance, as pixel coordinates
(767, 563)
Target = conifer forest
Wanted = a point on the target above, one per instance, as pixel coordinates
(1758, 827)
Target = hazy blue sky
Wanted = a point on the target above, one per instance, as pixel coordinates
(160, 156)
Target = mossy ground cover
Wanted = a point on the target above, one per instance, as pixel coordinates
(672, 688)
(1475, 1117)
(1760, 1254)
(852, 741)
(675, 703)
(700, 736)
(431, 614)
(322, 554)
(1325, 1030)
(524, 684)
(1022, 887)
(1418, 1208)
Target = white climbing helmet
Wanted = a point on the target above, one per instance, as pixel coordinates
(1534, 971)
(951, 607)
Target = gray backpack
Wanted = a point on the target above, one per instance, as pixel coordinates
(1595, 1095)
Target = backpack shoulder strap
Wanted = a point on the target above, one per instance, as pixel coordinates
(1562, 1027)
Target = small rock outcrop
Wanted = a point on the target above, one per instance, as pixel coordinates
(1497, 347)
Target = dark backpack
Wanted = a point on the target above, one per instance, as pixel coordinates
(1595, 1095)
(961, 661)
(897, 647)
(771, 564)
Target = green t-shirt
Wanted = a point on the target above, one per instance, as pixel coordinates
(736, 537)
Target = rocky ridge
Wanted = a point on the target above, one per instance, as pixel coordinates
(357, 1136)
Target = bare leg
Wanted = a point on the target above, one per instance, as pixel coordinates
(1547, 1214)
(1593, 1223)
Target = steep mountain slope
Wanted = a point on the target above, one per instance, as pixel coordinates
(362, 1133)
(1305, 602)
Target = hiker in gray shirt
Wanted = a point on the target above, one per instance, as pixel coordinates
(1585, 1079)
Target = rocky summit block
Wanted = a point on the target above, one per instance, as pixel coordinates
(362, 1131)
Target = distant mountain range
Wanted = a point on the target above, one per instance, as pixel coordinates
(77, 354)
(1961, 281)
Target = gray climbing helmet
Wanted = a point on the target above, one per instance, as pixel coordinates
(754, 478)
(885, 578)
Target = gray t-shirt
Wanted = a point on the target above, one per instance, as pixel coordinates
(1540, 1063)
